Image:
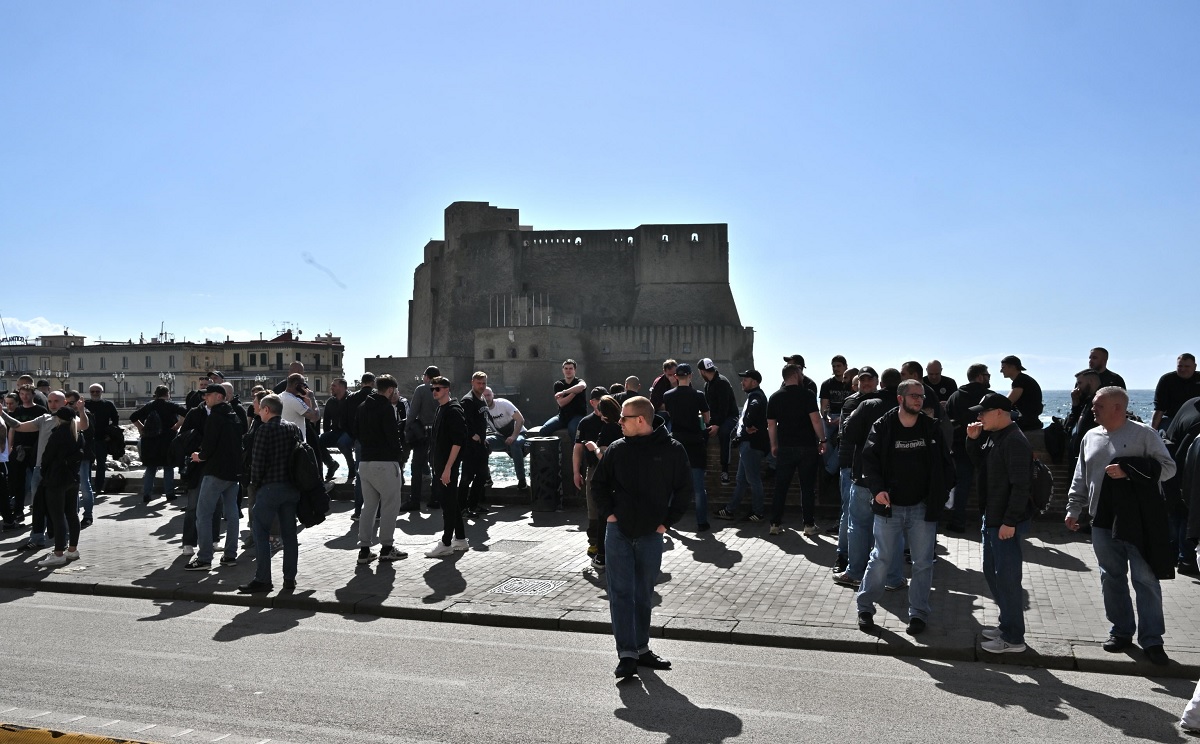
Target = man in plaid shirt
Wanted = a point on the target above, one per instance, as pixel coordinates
(276, 496)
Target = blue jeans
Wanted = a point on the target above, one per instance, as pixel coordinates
(516, 451)
(1118, 559)
(701, 496)
(345, 445)
(1002, 569)
(358, 498)
(213, 490)
(830, 458)
(861, 538)
(846, 484)
(796, 460)
(906, 522)
(554, 423)
(749, 472)
(168, 480)
(631, 568)
(964, 477)
(87, 495)
(273, 500)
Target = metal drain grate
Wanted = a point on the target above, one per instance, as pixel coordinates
(527, 587)
(511, 546)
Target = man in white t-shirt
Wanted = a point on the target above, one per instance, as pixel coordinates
(299, 404)
(507, 432)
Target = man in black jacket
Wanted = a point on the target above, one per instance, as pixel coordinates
(475, 452)
(221, 454)
(642, 486)
(722, 409)
(1004, 459)
(104, 416)
(906, 466)
(366, 386)
(379, 470)
(959, 411)
(753, 445)
(447, 438)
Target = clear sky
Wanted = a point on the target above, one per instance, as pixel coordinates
(960, 180)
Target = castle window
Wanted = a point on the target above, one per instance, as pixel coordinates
(629, 240)
(533, 352)
(512, 352)
(687, 348)
(606, 350)
(645, 347)
(695, 237)
(489, 353)
(578, 241)
(666, 238)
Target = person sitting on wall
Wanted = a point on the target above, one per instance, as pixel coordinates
(569, 396)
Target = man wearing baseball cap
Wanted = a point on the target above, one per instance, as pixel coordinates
(754, 443)
(722, 408)
(1003, 459)
(1026, 394)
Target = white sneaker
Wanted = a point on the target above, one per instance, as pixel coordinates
(1001, 646)
(189, 549)
(71, 555)
(439, 550)
(53, 560)
(462, 544)
(811, 530)
(990, 634)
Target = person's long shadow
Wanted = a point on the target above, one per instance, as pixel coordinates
(706, 547)
(369, 579)
(653, 705)
(261, 621)
(170, 609)
(444, 579)
(1048, 697)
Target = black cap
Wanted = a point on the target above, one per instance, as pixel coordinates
(1014, 361)
(795, 359)
(683, 370)
(432, 372)
(218, 374)
(992, 402)
(597, 393)
(214, 388)
(753, 374)
(869, 371)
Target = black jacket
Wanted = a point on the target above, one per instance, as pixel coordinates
(956, 409)
(378, 430)
(755, 415)
(1004, 462)
(221, 447)
(475, 409)
(353, 401)
(61, 458)
(645, 481)
(722, 404)
(877, 453)
(104, 415)
(449, 429)
(857, 428)
(1140, 512)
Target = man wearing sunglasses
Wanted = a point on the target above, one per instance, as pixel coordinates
(641, 487)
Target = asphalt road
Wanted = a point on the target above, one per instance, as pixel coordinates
(189, 672)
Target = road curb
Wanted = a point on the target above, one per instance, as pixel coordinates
(32, 735)
(950, 645)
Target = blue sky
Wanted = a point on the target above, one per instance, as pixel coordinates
(900, 180)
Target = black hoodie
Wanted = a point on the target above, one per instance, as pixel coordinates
(379, 430)
(221, 448)
(645, 481)
(956, 408)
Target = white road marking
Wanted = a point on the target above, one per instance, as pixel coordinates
(185, 732)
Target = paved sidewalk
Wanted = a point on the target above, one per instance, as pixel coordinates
(529, 569)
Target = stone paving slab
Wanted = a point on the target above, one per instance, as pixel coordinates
(732, 584)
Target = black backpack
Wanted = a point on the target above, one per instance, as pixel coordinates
(303, 468)
(1041, 486)
(153, 426)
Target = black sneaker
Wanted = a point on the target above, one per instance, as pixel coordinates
(256, 587)
(627, 668)
(598, 562)
(365, 556)
(522, 487)
(654, 661)
(756, 517)
(866, 621)
(916, 626)
(332, 469)
(196, 564)
(289, 586)
(724, 479)
(724, 513)
(842, 562)
(85, 523)
(390, 554)
(1157, 655)
(1116, 644)
(228, 560)
(702, 527)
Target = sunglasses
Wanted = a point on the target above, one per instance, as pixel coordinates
(436, 388)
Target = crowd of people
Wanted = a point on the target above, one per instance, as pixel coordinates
(908, 448)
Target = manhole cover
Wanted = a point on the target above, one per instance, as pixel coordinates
(527, 587)
(511, 546)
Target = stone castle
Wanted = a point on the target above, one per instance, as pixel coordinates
(498, 296)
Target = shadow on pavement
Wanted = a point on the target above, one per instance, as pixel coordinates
(1044, 695)
(653, 705)
(443, 578)
(706, 547)
(262, 621)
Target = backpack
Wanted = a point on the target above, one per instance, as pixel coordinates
(1041, 486)
(153, 426)
(313, 506)
(116, 441)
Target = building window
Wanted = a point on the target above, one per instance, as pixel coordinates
(318, 381)
(512, 352)
(297, 356)
(124, 362)
(489, 353)
(279, 359)
(533, 352)
(149, 362)
(687, 348)
(316, 360)
(606, 350)
(237, 362)
(193, 360)
(335, 360)
(103, 363)
(149, 390)
(171, 361)
(79, 364)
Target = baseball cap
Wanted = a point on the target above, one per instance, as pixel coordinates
(992, 402)
(214, 388)
(1014, 361)
(706, 364)
(752, 374)
(795, 359)
(683, 370)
